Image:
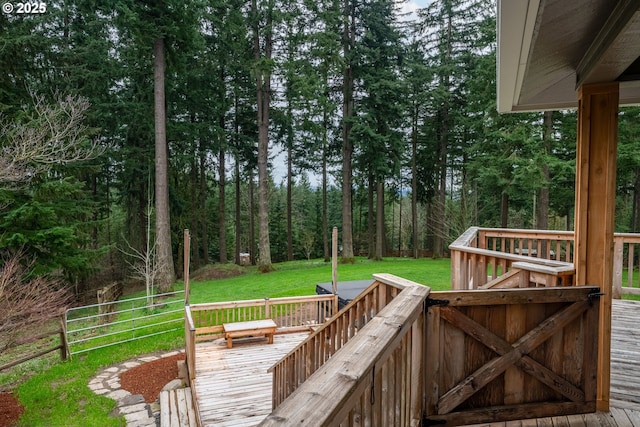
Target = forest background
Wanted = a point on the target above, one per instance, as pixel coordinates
(260, 125)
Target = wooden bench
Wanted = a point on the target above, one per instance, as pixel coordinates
(266, 327)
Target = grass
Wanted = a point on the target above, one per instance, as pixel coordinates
(300, 278)
(57, 393)
(60, 396)
(133, 318)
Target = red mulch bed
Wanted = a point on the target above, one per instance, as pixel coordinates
(10, 410)
(149, 378)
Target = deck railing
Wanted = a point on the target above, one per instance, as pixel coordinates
(626, 264)
(190, 355)
(291, 314)
(481, 255)
(543, 244)
(293, 369)
(377, 378)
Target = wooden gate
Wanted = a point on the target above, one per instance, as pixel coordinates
(501, 355)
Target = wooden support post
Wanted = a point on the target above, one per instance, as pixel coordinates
(64, 344)
(334, 265)
(187, 257)
(595, 209)
(618, 254)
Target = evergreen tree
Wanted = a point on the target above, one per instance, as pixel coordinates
(262, 21)
(379, 112)
(348, 45)
(451, 32)
(628, 175)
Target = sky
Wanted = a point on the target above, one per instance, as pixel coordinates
(412, 6)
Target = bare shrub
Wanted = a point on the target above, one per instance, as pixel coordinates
(26, 301)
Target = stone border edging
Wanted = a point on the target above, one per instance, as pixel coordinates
(136, 411)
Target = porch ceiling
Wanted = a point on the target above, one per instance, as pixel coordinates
(547, 48)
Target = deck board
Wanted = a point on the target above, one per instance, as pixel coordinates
(234, 387)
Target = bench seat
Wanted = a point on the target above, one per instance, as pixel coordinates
(266, 327)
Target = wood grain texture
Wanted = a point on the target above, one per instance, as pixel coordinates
(222, 390)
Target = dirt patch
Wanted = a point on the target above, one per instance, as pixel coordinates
(10, 410)
(217, 271)
(149, 378)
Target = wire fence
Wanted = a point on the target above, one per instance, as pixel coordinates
(102, 325)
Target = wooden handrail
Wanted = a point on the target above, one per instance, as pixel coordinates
(190, 342)
(258, 302)
(324, 342)
(391, 342)
(190, 354)
(511, 257)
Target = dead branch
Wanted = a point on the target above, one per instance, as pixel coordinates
(54, 135)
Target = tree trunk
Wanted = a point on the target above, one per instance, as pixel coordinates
(252, 222)
(237, 213)
(414, 184)
(166, 272)
(204, 238)
(263, 86)
(194, 196)
(289, 202)
(371, 222)
(440, 202)
(635, 211)
(379, 221)
(222, 226)
(504, 210)
(238, 228)
(347, 146)
(325, 222)
(441, 232)
(400, 220)
(542, 220)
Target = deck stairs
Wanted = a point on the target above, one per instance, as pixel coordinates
(176, 408)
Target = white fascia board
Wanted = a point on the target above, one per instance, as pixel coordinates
(516, 20)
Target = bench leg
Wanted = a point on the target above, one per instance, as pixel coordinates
(229, 342)
(270, 336)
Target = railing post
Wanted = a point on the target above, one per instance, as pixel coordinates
(481, 241)
(64, 346)
(456, 268)
(187, 258)
(418, 366)
(618, 251)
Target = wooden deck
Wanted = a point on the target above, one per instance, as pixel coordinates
(234, 387)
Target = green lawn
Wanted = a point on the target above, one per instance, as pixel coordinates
(300, 278)
(57, 394)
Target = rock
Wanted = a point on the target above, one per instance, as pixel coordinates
(182, 370)
(132, 399)
(174, 385)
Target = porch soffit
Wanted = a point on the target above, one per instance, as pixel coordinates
(546, 48)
